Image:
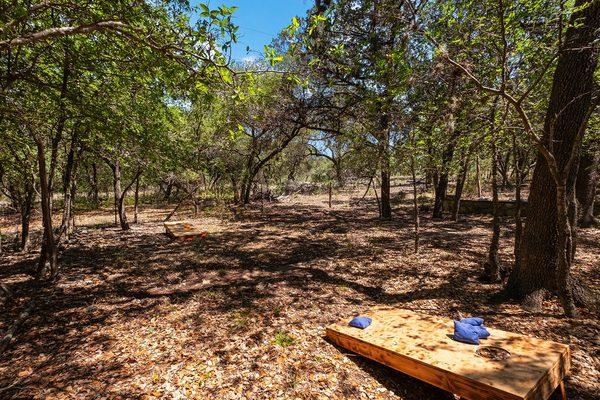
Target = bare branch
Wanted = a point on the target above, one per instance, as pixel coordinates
(63, 31)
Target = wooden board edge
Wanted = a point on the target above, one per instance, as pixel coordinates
(552, 379)
(457, 384)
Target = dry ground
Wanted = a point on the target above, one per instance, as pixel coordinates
(241, 314)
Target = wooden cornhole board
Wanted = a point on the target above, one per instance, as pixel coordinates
(183, 230)
(422, 346)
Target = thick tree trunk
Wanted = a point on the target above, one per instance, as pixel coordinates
(587, 180)
(544, 235)
(563, 256)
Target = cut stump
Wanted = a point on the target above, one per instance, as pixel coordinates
(422, 346)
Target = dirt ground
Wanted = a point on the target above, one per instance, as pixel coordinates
(241, 314)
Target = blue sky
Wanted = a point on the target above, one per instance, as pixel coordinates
(260, 21)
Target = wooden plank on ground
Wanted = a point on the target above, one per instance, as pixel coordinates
(183, 230)
(422, 346)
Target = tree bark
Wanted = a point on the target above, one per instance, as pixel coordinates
(119, 195)
(49, 251)
(68, 178)
(492, 268)
(415, 202)
(441, 190)
(460, 184)
(519, 162)
(544, 261)
(587, 180)
(25, 219)
(478, 178)
(386, 207)
(136, 198)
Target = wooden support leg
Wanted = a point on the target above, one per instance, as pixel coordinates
(560, 393)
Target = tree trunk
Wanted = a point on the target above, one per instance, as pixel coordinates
(519, 177)
(441, 187)
(544, 232)
(136, 198)
(71, 225)
(48, 262)
(67, 182)
(492, 270)
(563, 256)
(339, 175)
(460, 184)
(246, 188)
(440, 194)
(478, 178)
(415, 202)
(386, 208)
(25, 219)
(119, 195)
(587, 180)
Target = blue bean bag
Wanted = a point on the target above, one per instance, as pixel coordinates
(482, 331)
(360, 322)
(475, 321)
(465, 333)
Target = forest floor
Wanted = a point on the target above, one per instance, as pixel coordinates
(241, 314)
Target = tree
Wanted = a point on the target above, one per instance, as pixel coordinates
(549, 251)
(55, 59)
(361, 69)
(18, 178)
(547, 247)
